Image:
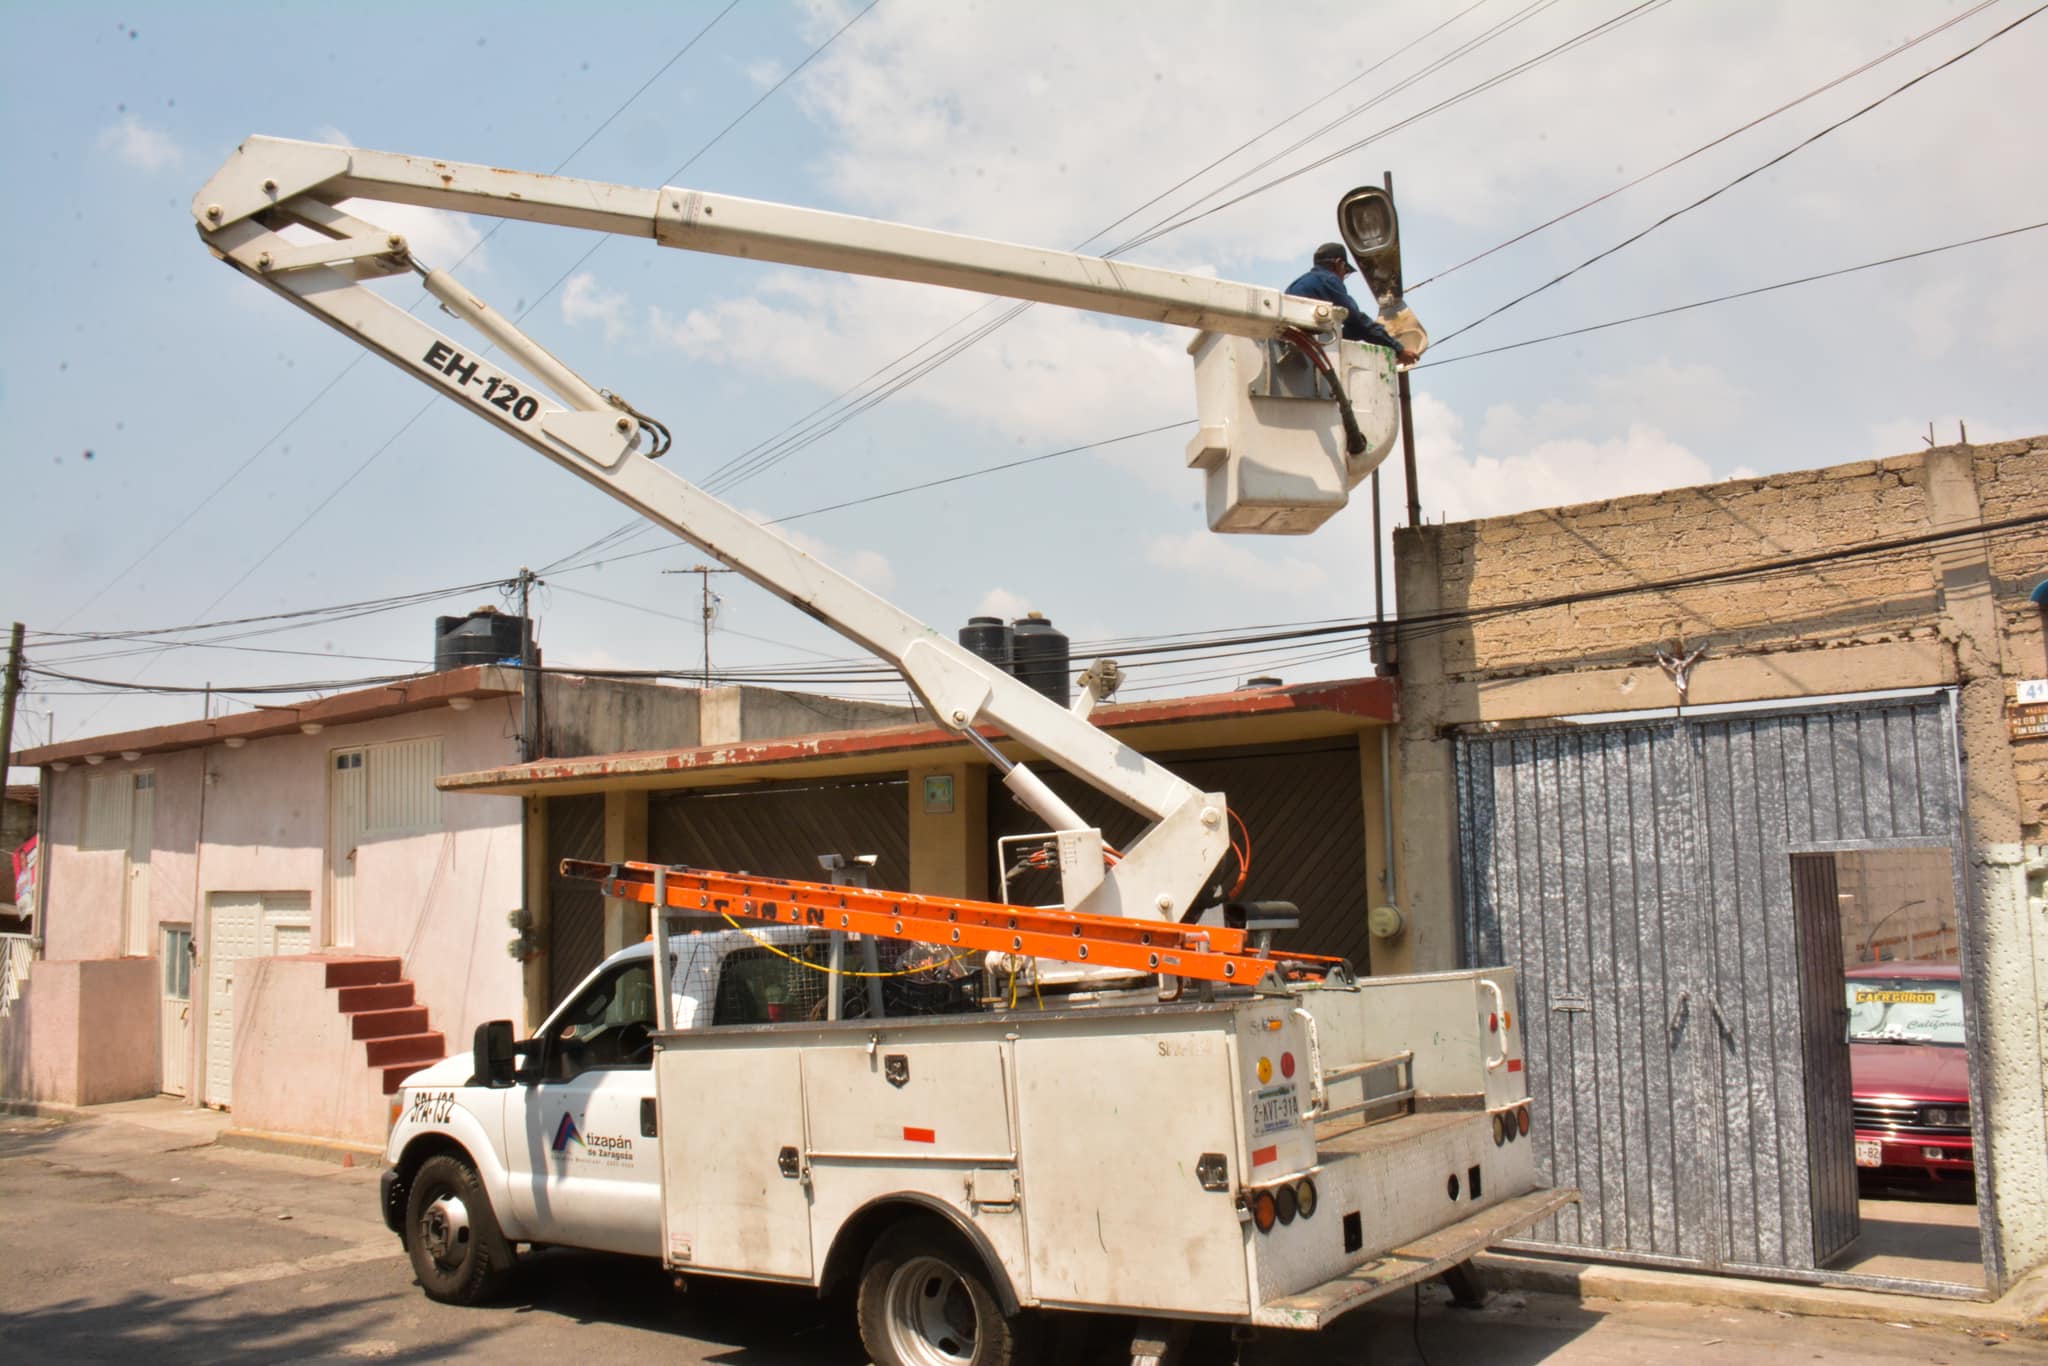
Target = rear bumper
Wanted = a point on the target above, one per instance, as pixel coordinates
(1428, 1256)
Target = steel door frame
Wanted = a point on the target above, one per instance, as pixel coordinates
(1675, 745)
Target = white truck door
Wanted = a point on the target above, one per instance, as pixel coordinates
(583, 1162)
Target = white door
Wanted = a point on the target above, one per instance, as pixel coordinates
(244, 925)
(232, 932)
(586, 1171)
(175, 950)
(141, 834)
(347, 823)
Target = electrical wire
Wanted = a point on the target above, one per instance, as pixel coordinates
(1818, 90)
(812, 427)
(1738, 294)
(357, 359)
(1746, 175)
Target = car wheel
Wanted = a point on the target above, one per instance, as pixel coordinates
(925, 1300)
(452, 1236)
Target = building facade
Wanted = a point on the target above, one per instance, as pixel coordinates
(1856, 659)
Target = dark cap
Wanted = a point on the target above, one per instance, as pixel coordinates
(1330, 251)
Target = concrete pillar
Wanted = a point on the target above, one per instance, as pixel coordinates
(534, 851)
(1380, 889)
(625, 838)
(949, 849)
(718, 716)
(2006, 927)
(1426, 814)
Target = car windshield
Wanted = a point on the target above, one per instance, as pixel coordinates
(1905, 1010)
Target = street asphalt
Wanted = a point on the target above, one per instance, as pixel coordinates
(139, 1238)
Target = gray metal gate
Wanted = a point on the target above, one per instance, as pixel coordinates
(1639, 876)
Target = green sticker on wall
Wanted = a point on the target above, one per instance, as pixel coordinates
(938, 794)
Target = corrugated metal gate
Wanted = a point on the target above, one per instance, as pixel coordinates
(1303, 806)
(1639, 875)
(779, 829)
(575, 910)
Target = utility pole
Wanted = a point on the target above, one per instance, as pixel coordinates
(529, 672)
(1407, 414)
(7, 701)
(704, 573)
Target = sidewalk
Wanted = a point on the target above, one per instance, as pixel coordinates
(2021, 1312)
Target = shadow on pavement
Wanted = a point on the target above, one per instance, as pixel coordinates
(749, 1324)
(159, 1330)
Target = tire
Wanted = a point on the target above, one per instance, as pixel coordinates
(452, 1236)
(925, 1300)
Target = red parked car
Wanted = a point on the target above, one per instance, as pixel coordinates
(1910, 1072)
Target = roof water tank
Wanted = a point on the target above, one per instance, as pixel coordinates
(990, 638)
(485, 636)
(1040, 658)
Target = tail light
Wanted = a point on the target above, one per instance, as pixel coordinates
(1265, 1211)
(1305, 1197)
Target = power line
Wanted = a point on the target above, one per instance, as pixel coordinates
(357, 359)
(1739, 294)
(750, 464)
(1746, 175)
(812, 427)
(1876, 61)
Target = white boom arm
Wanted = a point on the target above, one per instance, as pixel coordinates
(271, 185)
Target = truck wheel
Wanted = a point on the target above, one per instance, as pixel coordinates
(925, 1300)
(452, 1236)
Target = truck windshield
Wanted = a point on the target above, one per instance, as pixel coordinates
(1905, 1010)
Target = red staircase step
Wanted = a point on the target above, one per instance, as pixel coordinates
(395, 1075)
(385, 1024)
(382, 996)
(362, 972)
(412, 1048)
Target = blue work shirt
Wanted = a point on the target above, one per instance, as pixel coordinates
(1327, 285)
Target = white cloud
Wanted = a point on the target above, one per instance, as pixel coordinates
(1001, 602)
(584, 300)
(139, 145)
(763, 73)
(1203, 559)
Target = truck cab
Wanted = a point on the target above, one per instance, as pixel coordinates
(563, 1146)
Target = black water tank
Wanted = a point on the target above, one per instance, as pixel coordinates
(485, 636)
(1040, 660)
(989, 637)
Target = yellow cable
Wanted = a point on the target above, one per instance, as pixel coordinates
(844, 972)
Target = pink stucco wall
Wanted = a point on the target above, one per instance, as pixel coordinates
(254, 819)
(297, 1070)
(83, 1033)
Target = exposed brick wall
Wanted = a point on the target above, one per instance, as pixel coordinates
(1628, 542)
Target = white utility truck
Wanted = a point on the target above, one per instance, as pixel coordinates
(1128, 1102)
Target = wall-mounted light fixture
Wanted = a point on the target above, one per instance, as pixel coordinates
(311, 727)
(95, 758)
(131, 755)
(461, 703)
(59, 766)
(235, 741)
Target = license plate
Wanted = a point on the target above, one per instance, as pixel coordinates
(1869, 1153)
(1274, 1110)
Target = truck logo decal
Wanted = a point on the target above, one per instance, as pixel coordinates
(590, 1147)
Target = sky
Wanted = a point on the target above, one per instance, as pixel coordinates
(181, 447)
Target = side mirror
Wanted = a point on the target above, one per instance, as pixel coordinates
(492, 1053)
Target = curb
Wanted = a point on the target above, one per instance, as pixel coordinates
(2022, 1312)
(297, 1145)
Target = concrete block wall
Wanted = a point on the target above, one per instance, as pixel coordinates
(83, 1033)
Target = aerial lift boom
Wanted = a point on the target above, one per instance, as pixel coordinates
(1272, 448)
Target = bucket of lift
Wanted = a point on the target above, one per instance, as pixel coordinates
(1272, 446)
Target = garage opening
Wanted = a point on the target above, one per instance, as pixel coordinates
(1898, 1082)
